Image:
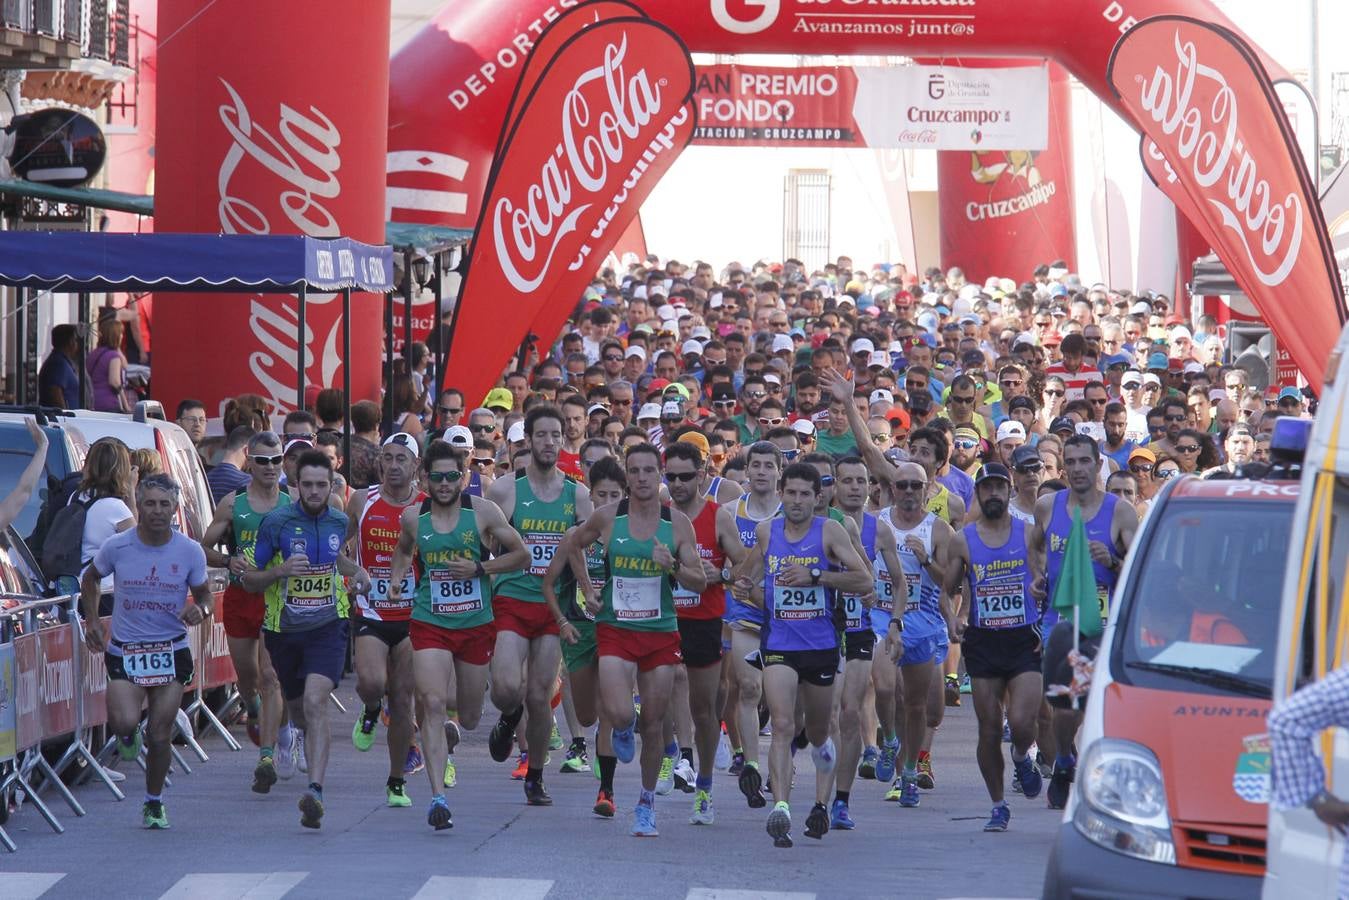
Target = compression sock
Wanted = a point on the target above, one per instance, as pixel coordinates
(607, 766)
(647, 799)
(533, 776)
(842, 796)
(1064, 762)
(686, 754)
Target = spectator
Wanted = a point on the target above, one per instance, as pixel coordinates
(58, 381)
(364, 462)
(407, 405)
(16, 499)
(228, 475)
(106, 366)
(329, 410)
(146, 462)
(107, 486)
(191, 417)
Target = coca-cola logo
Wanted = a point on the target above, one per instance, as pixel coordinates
(601, 113)
(1200, 112)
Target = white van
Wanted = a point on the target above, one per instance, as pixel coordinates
(1303, 855)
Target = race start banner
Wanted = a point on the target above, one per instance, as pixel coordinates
(900, 107)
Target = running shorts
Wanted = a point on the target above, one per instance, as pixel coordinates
(859, 645)
(583, 653)
(242, 612)
(298, 654)
(648, 649)
(182, 666)
(474, 646)
(391, 633)
(1001, 653)
(817, 667)
(529, 620)
(928, 648)
(700, 642)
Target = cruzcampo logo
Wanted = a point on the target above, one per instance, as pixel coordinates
(1251, 780)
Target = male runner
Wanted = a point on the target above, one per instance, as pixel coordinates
(154, 568)
(916, 640)
(299, 548)
(1110, 529)
(699, 615)
(541, 503)
(859, 640)
(382, 654)
(649, 548)
(1002, 642)
(451, 631)
(801, 560)
(763, 468)
(236, 523)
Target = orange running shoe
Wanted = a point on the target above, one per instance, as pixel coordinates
(522, 769)
(604, 804)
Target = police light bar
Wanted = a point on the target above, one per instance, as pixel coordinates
(1288, 442)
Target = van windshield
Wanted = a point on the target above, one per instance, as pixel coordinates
(1202, 605)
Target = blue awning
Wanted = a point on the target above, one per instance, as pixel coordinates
(75, 262)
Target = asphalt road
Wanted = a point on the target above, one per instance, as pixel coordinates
(227, 842)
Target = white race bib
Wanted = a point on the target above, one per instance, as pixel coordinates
(454, 596)
(541, 548)
(1001, 603)
(913, 585)
(149, 663)
(685, 598)
(797, 603)
(636, 598)
(852, 610)
(379, 589)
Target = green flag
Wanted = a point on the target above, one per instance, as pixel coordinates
(1076, 586)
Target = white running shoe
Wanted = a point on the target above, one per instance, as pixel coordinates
(665, 781)
(824, 756)
(284, 753)
(723, 759)
(684, 776)
(303, 764)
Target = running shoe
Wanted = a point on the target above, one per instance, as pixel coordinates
(576, 760)
(702, 810)
(502, 738)
(301, 764)
(684, 776)
(452, 736)
(751, 785)
(363, 732)
(925, 779)
(644, 821)
(780, 825)
(311, 809)
(999, 819)
(555, 739)
(129, 748)
(521, 766)
(817, 823)
(604, 804)
(1016, 782)
(1029, 776)
(625, 744)
(885, 760)
(737, 764)
(824, 757)
(722, 761)
(1045, 766)
(396, 794)
(840, 818)
(415, 761)
(908, 792)
(438, 816)
(896, 790)
(965, 686)
(665, 780)
(952, 690)
(451, 776)
(535, 795)
(1060, 785)
(153, 815)
(264, 775)
(867, 768)
(284, 756)
(1006, 732)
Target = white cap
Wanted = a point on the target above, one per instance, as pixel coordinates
(1193, 368)
(783, 342)
(879, 358)
(1151, 378)
(637, 351)
(401, 439)
(714, 300)
(671, 408)
(846, 299)
(639, 292)
(1141, 308)
(459, 436)
(1180, 332)
(772, 378)
(691, 347)
(1010, 429)
(597, 407)
(803, 426)
(1217, 394)
(516, 433)
(1132, 375)
(649, 411)
(897, 347)
(1056, 273)
(881, 395)
(702, 333)
(863, 345)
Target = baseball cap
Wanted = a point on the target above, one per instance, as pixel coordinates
(1193, 367)
(597, 407)
(1020, 403)
(691, 347)
(1143, 453)
(1024, 455)
(1131, 377)
(649, 411)
(671, 409)
(516, 433)
(697, 440)
(1115, 359)
(1158, 360)
(499, 397)
(1011, 429)
(783, 343)
(881, 395)
(1181, 333)
(863, 345)
(402, 439)
(1290, 393)
(676, 387)
(300, 444)
(459, 436)
(992, 470)
(701, 332)
(772, 378)
(1141, 308)
(804, 426)
(637, 351)
(1062, 423)
(722, 392)
(879, 359)
(1151, 378)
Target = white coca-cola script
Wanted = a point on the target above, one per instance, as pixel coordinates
(305, 160)
(596, 128)
(1199, 110)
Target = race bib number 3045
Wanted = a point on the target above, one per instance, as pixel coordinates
(313, 590)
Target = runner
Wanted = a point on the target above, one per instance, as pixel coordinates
(1110, 529)
(637, 630)
(305, 619)
(451, 631)
(1002, 642)
(154, 568)
(802, 559)
(382, 653)
(763, 466)
(859, 639)
(917, 640)
(541, 504)
(700, 615)
(236, 524)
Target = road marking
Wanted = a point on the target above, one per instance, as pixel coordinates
(27, 885)
(483, 888)
(234, 886)
(720, 894)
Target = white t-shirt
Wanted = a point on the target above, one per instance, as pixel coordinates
(100, 523)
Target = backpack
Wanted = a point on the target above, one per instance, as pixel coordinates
(59, 492)
(61, 556)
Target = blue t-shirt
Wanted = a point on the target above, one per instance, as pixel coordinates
(225, 479)
(958, 483)
(150, 586)
(59, 372)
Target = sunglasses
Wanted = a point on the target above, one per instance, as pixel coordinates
(773, 422)
(1174, 418)
(965, 444)
(723, 403)
(1050, 392)
(680, 477)
(961, 400)
(482, 429)
(826, 480)
(756, 395)
(1187, 448)
(482, 462)
(909, 485)
(1029, 468)
(442, 477)
(627, 402)
(1011, 382)
(267, 460)
(1100, 401)
(880, 439)
(1168, 473)
(451, 412)
(298, 436)
(790, 455)
(612, 358)
(1142, 468)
